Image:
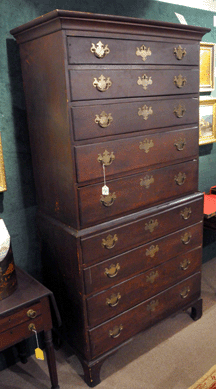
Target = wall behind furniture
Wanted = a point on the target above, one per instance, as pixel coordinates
(18, 203)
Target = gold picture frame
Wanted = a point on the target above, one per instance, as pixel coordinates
(206, 67)
(207, 120)
(3, 185)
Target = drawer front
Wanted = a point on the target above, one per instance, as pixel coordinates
(121, 297)
(137, 191)
(24, 315)
(126, 325)
(112, 118)
(119, 268)
(116, 83)
(122, 156)
(102, 50)
(20, 332)
(156, 224)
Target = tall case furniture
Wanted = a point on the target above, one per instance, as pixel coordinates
(112, 106)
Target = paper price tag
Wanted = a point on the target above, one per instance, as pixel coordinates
(105, 190)
(39, 354)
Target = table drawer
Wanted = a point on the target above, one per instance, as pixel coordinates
(119, 268)
(19, 332)
(158, 222)
(121, 297)
(124, 326)
(99, 83)
(23, 315)
(136, 191)
(103, 50)
(114, 117)
(128, 154)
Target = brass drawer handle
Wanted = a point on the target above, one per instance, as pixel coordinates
(185, 292)
(116, 332)
(180, 81)
(145, 81)
(146, 145)
(152, 277)
(145, 112)
(152, 305)
(31, 327)
(99, 50)
(112, 271)
(143, 52)
(104, 119)
(147, 181)
(107, 158)
(184, 265)
(152, 251)
(113, 300)
(179, 111)
(108, 200)
(180, 144)
(186, 238)
(180, 178)
(151, 225)
(185, 214)
(31, 313)
(179, 52)
(102, 84)
(109, 242)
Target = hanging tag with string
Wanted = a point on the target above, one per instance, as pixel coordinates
(105, 189)
(38, 352)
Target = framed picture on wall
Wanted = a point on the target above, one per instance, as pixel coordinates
(206, 67)
(207, 120)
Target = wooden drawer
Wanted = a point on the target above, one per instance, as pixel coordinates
(124, 326)
(19, 332)
(136, 191)
(119, 268)
(117, 117)
(155, 223)
(130, 82)
(128, 154)
(21, 316)
(86, 50)
(121, 297)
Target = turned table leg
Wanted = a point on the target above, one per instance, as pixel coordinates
(51, 361)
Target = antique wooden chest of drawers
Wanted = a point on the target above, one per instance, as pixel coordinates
(112, 105)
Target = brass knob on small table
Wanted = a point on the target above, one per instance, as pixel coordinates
(31, 313)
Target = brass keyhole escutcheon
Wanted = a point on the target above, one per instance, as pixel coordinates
(31, 313)
(115, 333)
(112, 271)
(180, 110)
(109, 242)
(146, 145)
(143, 52)
(99, 50)
(152, 277)
(151, 225)
(147, 181)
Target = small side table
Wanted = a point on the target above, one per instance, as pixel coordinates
(29, 304)
(210, 211)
